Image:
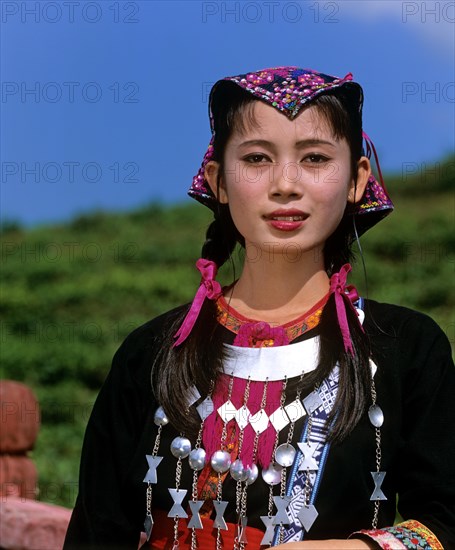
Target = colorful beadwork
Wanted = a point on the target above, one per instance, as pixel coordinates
(410, 535)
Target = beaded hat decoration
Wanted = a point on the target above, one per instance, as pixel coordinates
(288, 89)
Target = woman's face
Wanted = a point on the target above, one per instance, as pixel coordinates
(287, 182)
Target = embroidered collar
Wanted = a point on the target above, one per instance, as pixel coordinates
(258, 335)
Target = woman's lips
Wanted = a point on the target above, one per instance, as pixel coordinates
(286, 220)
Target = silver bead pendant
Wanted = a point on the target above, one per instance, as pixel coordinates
(160, 418)
(221, 461)
(180, 447)
(376, 415)
(253, 473)
(285, 454)
(238, 471)
(272, 474)
(196, 459)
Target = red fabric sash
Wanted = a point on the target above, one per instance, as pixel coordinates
(163, 534)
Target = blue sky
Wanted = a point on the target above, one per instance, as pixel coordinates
(104, 103)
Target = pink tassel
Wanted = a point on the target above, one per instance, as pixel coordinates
(254, 405)
(213, 425)
(267, 438)
(209, 288)
(344, 295)
(246, 455)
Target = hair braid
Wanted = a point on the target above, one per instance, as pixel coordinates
(354, 374)
(221, 237)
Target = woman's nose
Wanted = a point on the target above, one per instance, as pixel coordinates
(287, 180)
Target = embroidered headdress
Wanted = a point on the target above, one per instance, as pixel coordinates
(289, 89)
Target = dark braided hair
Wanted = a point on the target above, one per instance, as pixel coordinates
(221, 237)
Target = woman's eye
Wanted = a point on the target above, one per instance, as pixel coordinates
(316, 158)
(256, 158)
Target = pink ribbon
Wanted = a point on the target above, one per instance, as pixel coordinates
(209, 288)
(344, 295)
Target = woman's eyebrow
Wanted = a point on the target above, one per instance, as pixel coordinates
(260, 142)
(299, 144)
(313, 141)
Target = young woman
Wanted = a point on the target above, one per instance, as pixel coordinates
(282, 410)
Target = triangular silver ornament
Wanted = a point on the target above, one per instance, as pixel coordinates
(148, 526)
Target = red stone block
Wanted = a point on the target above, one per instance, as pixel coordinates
(18, 476)
(31, 525)
(19, 417)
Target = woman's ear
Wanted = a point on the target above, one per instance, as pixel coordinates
(357, 188)
(213, 176)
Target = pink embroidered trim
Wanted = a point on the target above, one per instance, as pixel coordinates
(209, 288)
(344, 295)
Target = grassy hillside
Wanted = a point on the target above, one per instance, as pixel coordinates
(72, 292)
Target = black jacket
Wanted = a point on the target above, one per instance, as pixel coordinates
(415, 384)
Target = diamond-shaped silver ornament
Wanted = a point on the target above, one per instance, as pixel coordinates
(242, 417)
(307, 515)
(295, 410)
(259, 421)
(205, 408)
(279, 419)
(227, 411)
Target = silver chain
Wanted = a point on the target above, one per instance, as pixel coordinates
(378, 453)
(148, 494)
(219, 490)
(219, 545)
(178, 475)
(194, 498)
(239, 488)
(283, 470)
